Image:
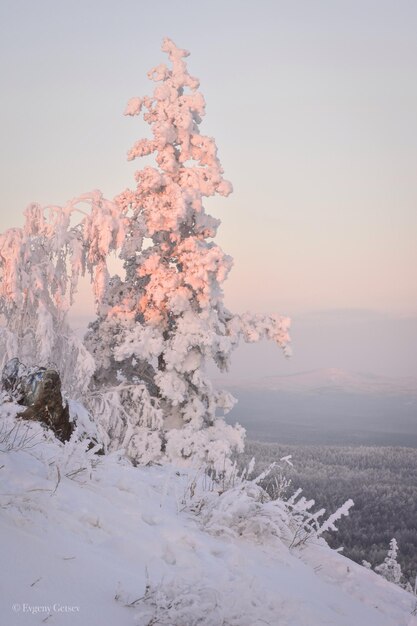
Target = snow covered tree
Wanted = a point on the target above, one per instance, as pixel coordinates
(390, 568)
(161, 323)
(142, 368)
(40, 265)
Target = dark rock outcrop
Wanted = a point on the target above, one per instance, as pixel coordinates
(39, 389)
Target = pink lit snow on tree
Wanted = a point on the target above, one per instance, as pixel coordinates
(164, 320)
(167, 316)
(40, 266)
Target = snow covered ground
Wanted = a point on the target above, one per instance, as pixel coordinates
(93, 541)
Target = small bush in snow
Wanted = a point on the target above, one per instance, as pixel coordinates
(390, 569)
(17, 436)
(222, 603)
(244, 509)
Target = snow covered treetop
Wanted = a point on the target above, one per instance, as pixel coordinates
(188, 166)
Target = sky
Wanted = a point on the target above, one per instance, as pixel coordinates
(313, 107)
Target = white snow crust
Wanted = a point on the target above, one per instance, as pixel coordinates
(84, 537)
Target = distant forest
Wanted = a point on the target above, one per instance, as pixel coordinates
(382, 481)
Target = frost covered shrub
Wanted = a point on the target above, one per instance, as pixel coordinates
(175, 604)
(141, 371)
(390, 569)
(307, 524)
(245, 509)
(223, 603)
(16, 436)
(76, 459)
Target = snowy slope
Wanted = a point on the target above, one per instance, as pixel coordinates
(82, 536)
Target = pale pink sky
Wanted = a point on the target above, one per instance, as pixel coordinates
(313, 107)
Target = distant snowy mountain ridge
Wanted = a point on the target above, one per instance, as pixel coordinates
(332, 379)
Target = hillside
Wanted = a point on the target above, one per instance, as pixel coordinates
(382, 482)
(92, 540)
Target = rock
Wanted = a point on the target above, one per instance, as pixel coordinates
(39, 389)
